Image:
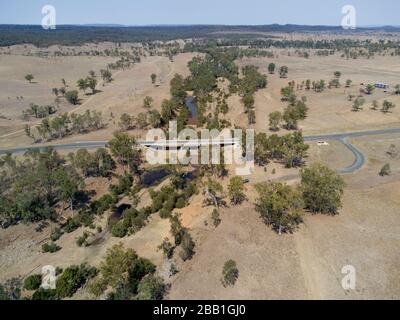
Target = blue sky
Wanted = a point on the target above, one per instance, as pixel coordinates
(144, 12)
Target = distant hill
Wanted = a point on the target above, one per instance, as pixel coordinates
(77, 35)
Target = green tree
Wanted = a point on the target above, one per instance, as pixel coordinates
(369, 88)
(11, 289)
(116, 264)
(216, 217)
(72, 97)
(230, 273)
(70, 185)
(283, 71)
(271, 68)
(151, 288)
(236, 190)
(123, 147)
(74, 278)
(33, 282)
(275, 119)
(82, 84)
(387, 106)
(29, 77)
(167, 248)
(187, 246)
(106, 75)
(147, 102)
(125, 122)
(322, 189)
(153, 78)
(280, 206)
(91, 84)
(358, 103)
(213, 191)
(385, 171)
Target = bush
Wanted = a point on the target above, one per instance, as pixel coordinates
(81, 241)
(74, 278)
(140, 268)
(71, 225)
(72, 97)
(215, 218)
(230, 273)
(151, 288)
(119, 230)
(187, 246)
(385, 171)
(103, 204)
(123, 187)
(57, 233)
(180, 203)
(50, 247)
(43, 294)
(33, 282)
(322, 189)
(165, 213)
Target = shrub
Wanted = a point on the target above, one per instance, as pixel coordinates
(50, 247)
(43, 294)
(216, 218)
(166, 248)
(151, 288)
(57, 233)
(165, 213)
(230, 273)
(180, 203)
(73, 278)
(187, 246)
(280, 206)
(81, 241)
(33, 282)
(72, 97)
(103, 204)
(385, 171)
(322, 189)
(119, 230)
(71, 225)
(140, 268)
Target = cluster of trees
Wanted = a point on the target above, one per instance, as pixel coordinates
(97, 164)
(133, 220)
(39, 112)
(281, 205)
(30, 189)
(294, 112)
(290, 149)
(89, 82)
(68, 282)
(65, 124)
(128, 276)
(251, 82)
(151, 118)
(386, 106)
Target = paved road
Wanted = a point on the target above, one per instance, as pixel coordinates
(341, 137)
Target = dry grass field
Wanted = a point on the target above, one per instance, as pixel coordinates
(303, 265)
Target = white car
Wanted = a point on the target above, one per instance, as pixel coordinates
(322, 143)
